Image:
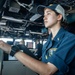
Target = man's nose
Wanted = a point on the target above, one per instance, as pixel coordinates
(44, 18)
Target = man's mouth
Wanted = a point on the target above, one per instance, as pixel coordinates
(45, 21)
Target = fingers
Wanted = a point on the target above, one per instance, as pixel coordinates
(5, 47)
(1, 43)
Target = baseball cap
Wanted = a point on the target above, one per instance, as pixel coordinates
(56, 7)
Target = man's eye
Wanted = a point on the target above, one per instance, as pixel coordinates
(48, 13)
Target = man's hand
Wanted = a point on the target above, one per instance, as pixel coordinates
(5, 47)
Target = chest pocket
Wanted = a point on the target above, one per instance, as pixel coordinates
(53, 49)
(50, 52)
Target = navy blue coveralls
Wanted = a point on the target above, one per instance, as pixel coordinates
(61, 52)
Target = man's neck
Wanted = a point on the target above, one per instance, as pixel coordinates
(55, 30)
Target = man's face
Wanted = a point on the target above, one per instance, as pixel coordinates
(50, 18)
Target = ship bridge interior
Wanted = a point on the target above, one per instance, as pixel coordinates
(20, 20)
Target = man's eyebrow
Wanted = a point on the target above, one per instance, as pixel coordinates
(48, 11)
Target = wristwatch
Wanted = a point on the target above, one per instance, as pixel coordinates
(14, 49)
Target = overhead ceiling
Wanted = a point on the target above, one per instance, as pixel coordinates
(19, 17)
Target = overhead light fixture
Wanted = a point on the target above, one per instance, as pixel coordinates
(35, 17)
(14, 7)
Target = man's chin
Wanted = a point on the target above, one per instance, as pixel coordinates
(47, 26)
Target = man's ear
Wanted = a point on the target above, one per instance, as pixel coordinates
(59, 17)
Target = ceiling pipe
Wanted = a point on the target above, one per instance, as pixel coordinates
(35, 33)
(12, 19)
(1, 23)
(19, 20)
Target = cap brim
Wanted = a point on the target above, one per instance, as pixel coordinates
(40, 9)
